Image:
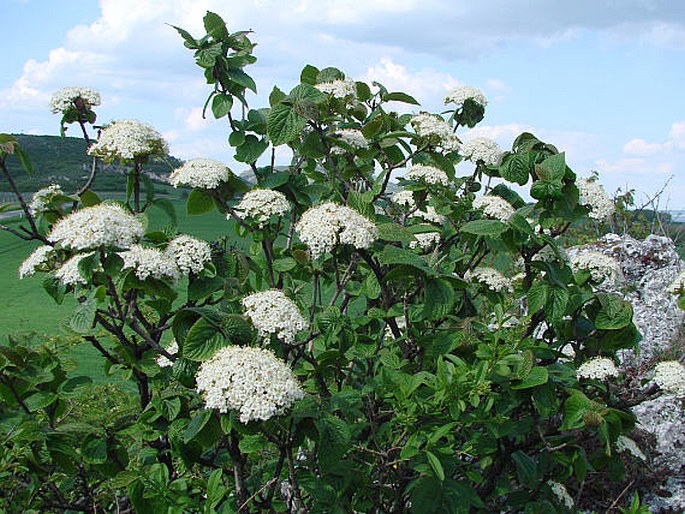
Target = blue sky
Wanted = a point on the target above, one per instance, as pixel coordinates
(601, 79)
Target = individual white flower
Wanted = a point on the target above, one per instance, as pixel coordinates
(252, 381)
(678, 284)
(69, 273)
(425, 240)
(427, 174)
(171, 349)
(104, 224)
(351, 137)
(494, 207)
(626, 445)
(190, 254)
(601, 267)
(128, 139)
(343, 88)
(261, 204)
(493, 279)
(68, 97)
(39, 258)
(561, 494)
(462, 93)
(597, 368)
(482, 149)
(42, 198)
(202, 173)
(592, 195)
(435, 130)
(150, 262)
(670, 377)
(327, 225)
(272, 312)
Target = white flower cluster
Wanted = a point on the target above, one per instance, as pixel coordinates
(190, 254)
(601, 267)
(66, 97)
(561, 494)
(150, 262)
(127, 139)
(428, 174)
(462, 93)
(670, 377)
(592, 195)
(597, 368)
(252, 381)
(323, 227)
(202, 173)
(435, 130)
(406, 199)
(426, 240)
(39, 258)
(627, 445)
(344, 88)
(272, 312)
(261, 204)
(100, 225)
(493, 279)
(678, 284)
(482, 149)
(69, 273)
(352, 137)
(494, 207)
(547, 254)
(171, 349)
(42, 198)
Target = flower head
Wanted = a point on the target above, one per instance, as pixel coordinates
(592, 195)
(69, 273)
(670, 377)
(351, 137)
(494, 207)
(597, 368)
(435, 130)
(272, 312)
(104, 224)
(150, 262)
(39, 258)
(128, 139)
(252, 381)
(493, 279)
(171, 349)
(261, 204)
(190, 254)
(426, 240)
(43, 197)
(482, 149)
(327, 225)
(342, 88)
(561, 494)
(460, 94)
(73, 97)
(601, 267)
(201, 173)
(427, 174)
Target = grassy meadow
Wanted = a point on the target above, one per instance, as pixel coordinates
(26, 308)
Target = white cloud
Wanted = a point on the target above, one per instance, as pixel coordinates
(641, 147)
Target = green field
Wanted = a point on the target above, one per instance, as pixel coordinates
(26, 308)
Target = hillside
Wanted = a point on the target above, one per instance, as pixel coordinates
(64, 161)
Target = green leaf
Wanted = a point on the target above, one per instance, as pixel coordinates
(358, 202)
(284, 125)
(40, 400)
(196, 425)
(240, 77)
(203, 340)
(24, 159)
(55, 288)
(81, 321)
(394, 232)
(251, 149)
(215, 26)
(537, 376)
(615, 313)
(190, 41)
(94, 450)
(199, 202)
(438, 299)
(574, 407)
(168, 207)
(526, 468)
(309, 74)
(73, 385)
(537, 296)
(89, 198)
(334, 440)
(398, 96)
(553, 168)
(284, 264)
(435, 465)
(202, 287)
(221, 105)
(557, 300)
(515, 168)
(394, 255)
(275, 96)
(484, 227)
